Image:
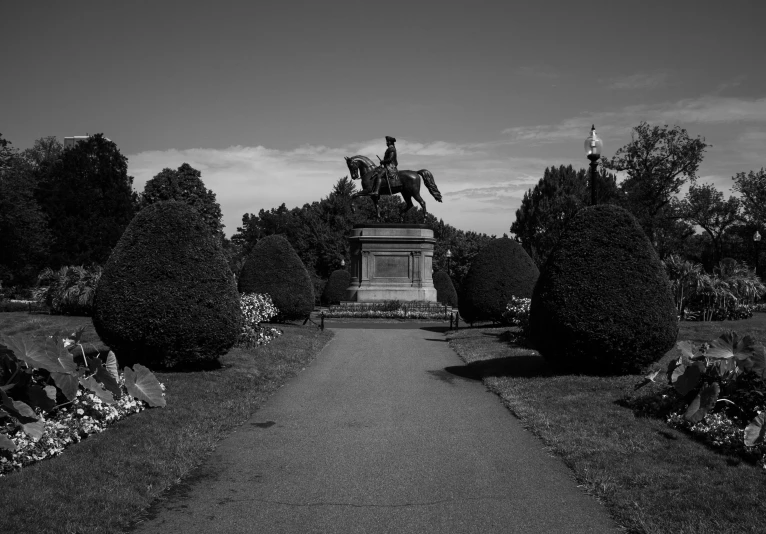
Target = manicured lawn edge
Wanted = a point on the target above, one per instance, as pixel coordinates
(652, 479)
(107, 482)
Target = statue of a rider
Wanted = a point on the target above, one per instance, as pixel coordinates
(387, 166)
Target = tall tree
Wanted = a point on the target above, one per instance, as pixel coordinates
(24, 234)
(185, 185)
(547, 208)
(658, 161)
(704, 205)
(752, 187)
(88, 198)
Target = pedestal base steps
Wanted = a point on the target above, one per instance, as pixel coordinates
(391, 262)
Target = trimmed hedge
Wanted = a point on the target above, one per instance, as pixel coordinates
(445, 291)
(166, 297)
(502, 269)
(603, 303)
(335, 289)
(274, 268)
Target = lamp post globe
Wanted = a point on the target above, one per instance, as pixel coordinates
(449, 260)
(593, 147)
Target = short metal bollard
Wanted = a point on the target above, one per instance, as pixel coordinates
(322, 322)
(457, 320)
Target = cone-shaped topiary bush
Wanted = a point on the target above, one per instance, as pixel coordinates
(273, 267)
(502, 269)
(603, 303)
(335, 289)
(166, 297)
(445, 291)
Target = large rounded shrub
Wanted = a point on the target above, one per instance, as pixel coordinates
(335, 289)
(273, 267)
(603, 303)
(445, 291)
(166, 296)
(502, 269)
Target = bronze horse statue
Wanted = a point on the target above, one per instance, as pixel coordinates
(409, 184)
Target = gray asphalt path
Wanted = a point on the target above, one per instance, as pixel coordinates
(375, 436)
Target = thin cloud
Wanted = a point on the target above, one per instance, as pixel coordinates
(637, 81)
(703, 110)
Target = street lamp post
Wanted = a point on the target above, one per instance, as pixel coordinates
(449, 261)
(593, 146)
(756, 241)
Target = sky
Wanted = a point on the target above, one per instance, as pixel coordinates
(266, 99)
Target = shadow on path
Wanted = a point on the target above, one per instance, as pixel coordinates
(513, 366)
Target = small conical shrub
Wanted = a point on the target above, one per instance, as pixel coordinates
(502, 269)
(335, 289)
(273, 267)
(603, 302)
(166, 297)
(445, 291)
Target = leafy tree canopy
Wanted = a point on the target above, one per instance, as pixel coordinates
(752, 187)
(88, 198)
(705, 206)
(185, 185)
(547, 208)
(658, 161)
(24, 233)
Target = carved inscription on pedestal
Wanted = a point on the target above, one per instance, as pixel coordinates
(392, 266)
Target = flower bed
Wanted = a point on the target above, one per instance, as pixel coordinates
(256, 309)
(54, 395)
(716, 392)
(390, 309)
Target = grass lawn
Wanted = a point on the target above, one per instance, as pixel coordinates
(108, 481)
(652, 478)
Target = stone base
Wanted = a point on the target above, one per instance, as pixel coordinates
(391, 262)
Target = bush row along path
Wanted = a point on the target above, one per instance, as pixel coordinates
(376, 435)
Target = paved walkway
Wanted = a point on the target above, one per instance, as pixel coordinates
(375, 436)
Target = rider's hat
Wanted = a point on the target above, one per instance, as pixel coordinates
(390, 139)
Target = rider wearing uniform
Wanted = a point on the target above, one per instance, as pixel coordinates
(388, 166)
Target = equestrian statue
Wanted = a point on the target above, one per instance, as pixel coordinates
(386, 179)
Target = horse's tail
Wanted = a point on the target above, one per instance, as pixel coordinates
(428, 178)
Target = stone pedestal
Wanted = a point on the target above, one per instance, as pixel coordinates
(391, 262)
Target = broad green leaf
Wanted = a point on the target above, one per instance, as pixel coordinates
(104, 376)
(111, 365)
(703, 403)
(7, 443)
(756, 430)
(31, 352)
(730, 346)
(50, 356)
(688, 379)
(34, 429)
(41, 398)
(17, 409)
(687, 351)
(93, 385)
(143, 385)
(67, 384)
(757, 361)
